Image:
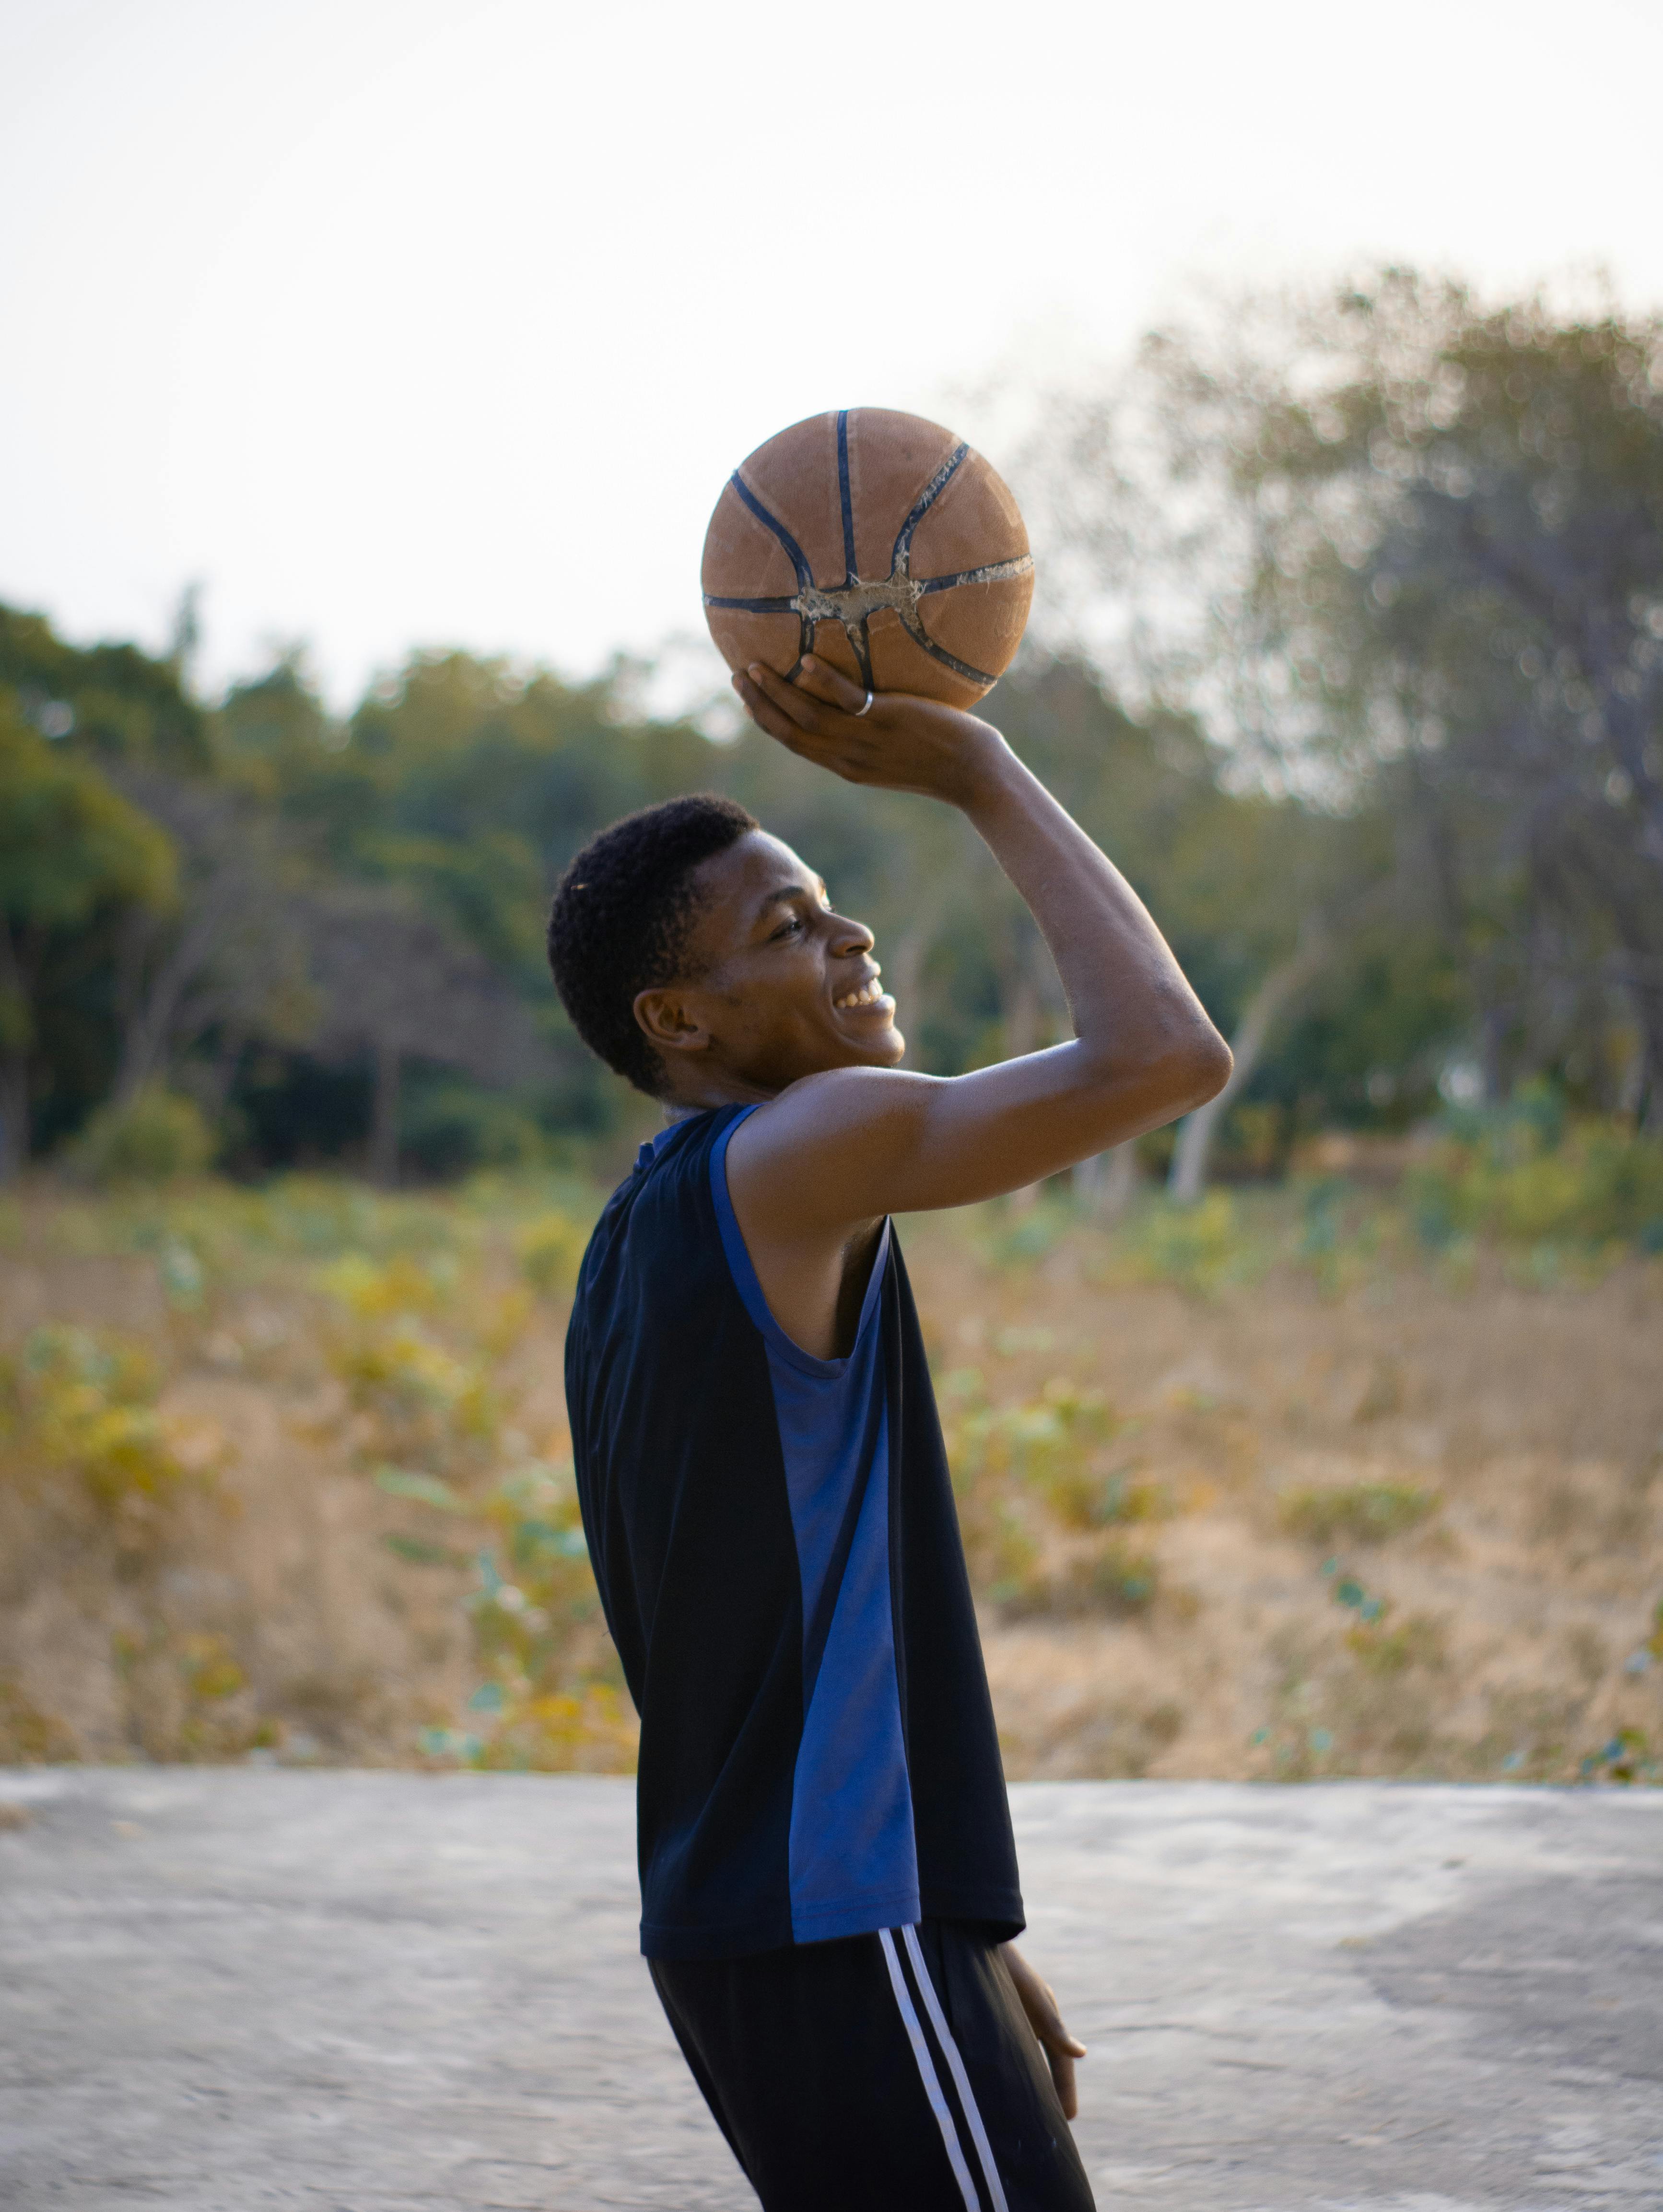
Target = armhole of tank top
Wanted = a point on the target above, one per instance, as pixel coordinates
(742, 1269)
(739, 1265)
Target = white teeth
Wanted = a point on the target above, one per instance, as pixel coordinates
(865, 996)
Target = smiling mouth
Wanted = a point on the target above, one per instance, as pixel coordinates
(870, 993)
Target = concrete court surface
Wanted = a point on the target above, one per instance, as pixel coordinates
(227, 1988)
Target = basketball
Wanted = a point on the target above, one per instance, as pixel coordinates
(878, 541)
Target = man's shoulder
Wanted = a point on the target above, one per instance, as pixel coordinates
(655, 1224)
(829, 1106)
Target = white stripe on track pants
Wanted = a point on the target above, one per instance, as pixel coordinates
(891, 2073)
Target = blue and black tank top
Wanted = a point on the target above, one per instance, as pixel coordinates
(778, 1555)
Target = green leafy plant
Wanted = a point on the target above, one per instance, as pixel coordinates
(86, 1401)
(29, 1736)
(1626, 1757)
(1123, 1579)
(1201, 1249)
(1532, 1175)
(550, 1249)
(1112, 1577)
(1382, 1649)
(415, 1397)
(155, 1137)
(545, 1699)
(1030, 1477)
(1356, 1512)
(1010, 1237)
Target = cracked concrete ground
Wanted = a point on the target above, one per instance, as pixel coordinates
(227, 1988)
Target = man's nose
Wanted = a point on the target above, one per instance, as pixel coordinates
(850, 936)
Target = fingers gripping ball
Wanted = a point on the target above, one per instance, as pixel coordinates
(878, 541)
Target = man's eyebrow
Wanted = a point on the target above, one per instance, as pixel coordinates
(782, 894)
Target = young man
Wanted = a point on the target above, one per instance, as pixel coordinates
(827, 1874)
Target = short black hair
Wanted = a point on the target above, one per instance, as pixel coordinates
(620, 922)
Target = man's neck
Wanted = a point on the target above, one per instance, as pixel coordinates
(720, 1090)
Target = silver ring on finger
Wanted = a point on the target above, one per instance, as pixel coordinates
(865, 709)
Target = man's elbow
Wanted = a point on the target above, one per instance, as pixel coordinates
(1199, 1068)
(1185, 1067)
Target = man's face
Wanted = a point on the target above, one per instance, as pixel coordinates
(784, 987)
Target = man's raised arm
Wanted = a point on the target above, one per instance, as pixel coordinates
(853, 1143)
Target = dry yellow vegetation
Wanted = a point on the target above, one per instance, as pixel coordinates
(1266, 1489)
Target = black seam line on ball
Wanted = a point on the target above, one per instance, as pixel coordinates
(915, 629)
(851, 575)
(793, 550)
(793, 553)
(995, 572)
(900, 560)
(792, 606)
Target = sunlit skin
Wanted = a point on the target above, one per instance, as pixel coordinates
(773, 959)
(844, 1136)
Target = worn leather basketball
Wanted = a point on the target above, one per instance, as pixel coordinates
(877, 541)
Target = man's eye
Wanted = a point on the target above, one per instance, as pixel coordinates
(791, 928)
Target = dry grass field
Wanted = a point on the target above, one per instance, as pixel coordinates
(1265, 1489)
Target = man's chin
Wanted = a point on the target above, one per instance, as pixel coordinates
(884, 1048)
(888, 1049)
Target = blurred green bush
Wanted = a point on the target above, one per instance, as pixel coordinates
(155, 1137)
(1530, 1173)
(1357, 1513)
(85, 1401)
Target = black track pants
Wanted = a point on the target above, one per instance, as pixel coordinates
(886, 2073)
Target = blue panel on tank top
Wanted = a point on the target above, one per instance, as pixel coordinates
(853, 1859)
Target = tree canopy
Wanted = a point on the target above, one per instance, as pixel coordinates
(1382, 754)
(1406, 548)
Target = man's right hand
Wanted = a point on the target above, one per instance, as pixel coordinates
(1039, 2001)
(901, 743)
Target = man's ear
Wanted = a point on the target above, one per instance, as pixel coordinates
(668, 1022)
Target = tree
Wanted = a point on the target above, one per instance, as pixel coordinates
(228, 958)
(111, 699)
(397, 984)
(1400, 553)
(1450, 592)
(1280, 989)
(72, 849)
(367, 895)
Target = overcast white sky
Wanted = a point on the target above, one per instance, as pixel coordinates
(398, 323)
